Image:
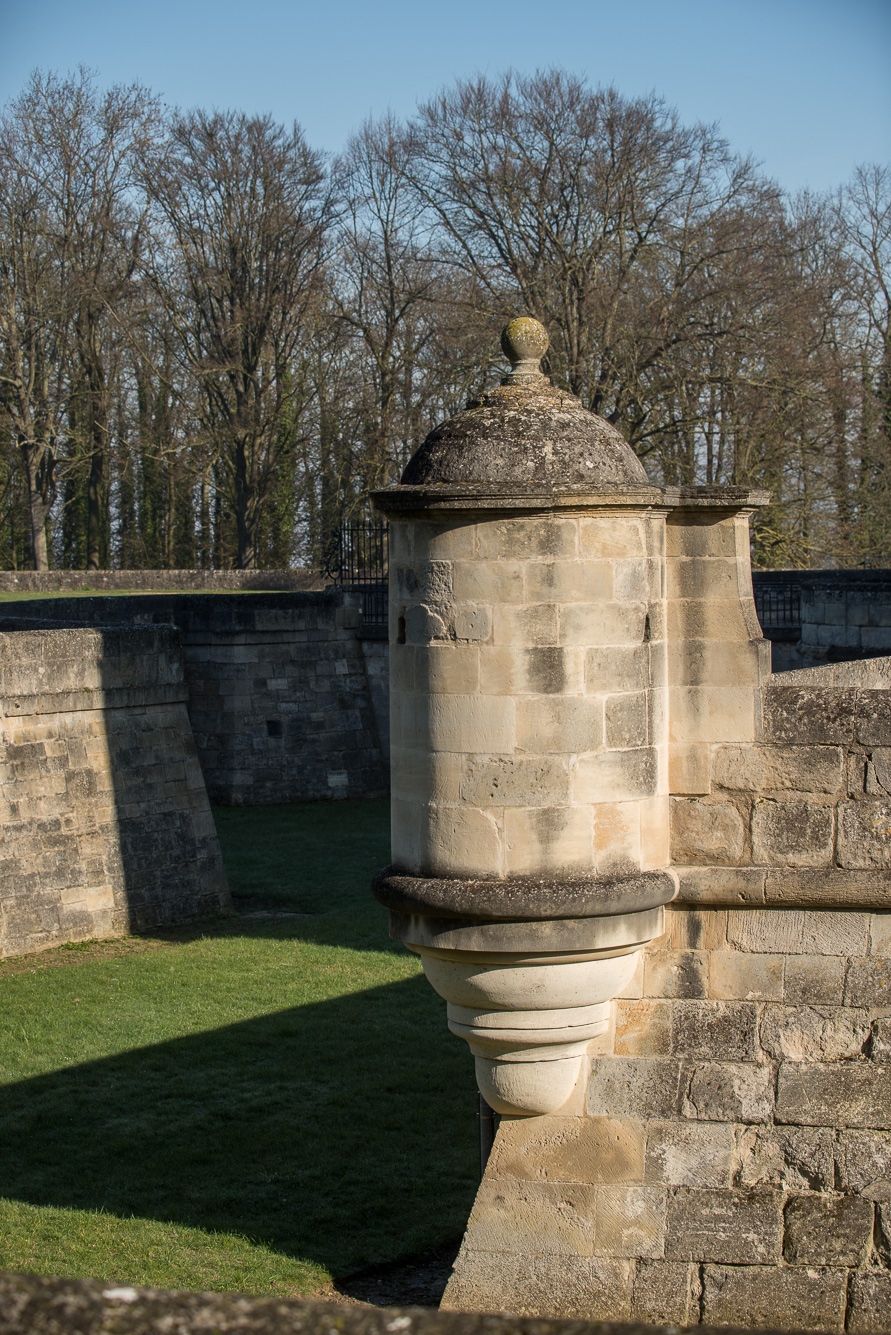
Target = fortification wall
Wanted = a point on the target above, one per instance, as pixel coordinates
(145, 581)
(105, 825)
(284, 697)
(726, 1157)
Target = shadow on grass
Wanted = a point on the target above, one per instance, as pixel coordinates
(341, 1132)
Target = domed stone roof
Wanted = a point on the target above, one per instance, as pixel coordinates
(525, 430)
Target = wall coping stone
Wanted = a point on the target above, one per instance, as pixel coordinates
(512, 497)
(34, 1305)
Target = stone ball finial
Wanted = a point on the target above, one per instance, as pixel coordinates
(524, 341)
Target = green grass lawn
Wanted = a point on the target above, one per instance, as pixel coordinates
(261, 1106)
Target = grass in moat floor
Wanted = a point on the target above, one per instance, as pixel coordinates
(259, 1103)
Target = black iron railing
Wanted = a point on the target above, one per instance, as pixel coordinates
(358, 561)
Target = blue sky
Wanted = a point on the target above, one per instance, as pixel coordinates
(803, 85)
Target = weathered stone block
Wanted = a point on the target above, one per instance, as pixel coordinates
(805, 1034)
(720, 886)
(864, 1164)
(767, 1296)
(634, 1087)
(446, 668)
(462, 723)
(548, 670)
(568, 581)
(796, 1158)
(630, 1221)
(527, 538)
(533, 1217)
(689, 1154)
(868, 982)
(864, 834)
(827, 1230)
(706, 831)
(733, 976)
(622, 667)
(617, 838)
(869, 1311)
(625, 719)
(797, 834)
(800, 715)
(548, 840)
(729, 1092)
(880, 934)
(736, 1226)
(806, 769)
(568, 1149)
(711, 714)
(717, 1030)
(616, 776)
(643, 1028)
(473, 621)
(533, 624)
(567, 724)
(516, 781)
(873, 715)
(666, 1293)
(880, 1049)
(798, 932)
(689, 768)
(610, 536)
(852, 1094)
(681, 974)
(596, 624)
(488, 582)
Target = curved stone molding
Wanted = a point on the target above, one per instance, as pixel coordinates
(528, 997)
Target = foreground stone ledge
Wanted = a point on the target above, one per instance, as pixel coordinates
(32, 1305)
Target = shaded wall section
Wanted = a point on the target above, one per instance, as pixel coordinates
(105, 825)
(287, 700)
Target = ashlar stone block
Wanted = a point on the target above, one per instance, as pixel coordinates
(689, 1154)
(870, 1303)
(571, 724)
(630, 1221)
(626, 719)
(798, 834)
(734, 1226)
(864, 834)
(616, 776)
(706, 831)
(568, 1149)
(548, 840)
(510, 781)
(849, 1094)
(754, 1296)
(806, 769)
(729, 1092)
(794, 1158)
(827, 1230)
(805, 1034)
(666, 1293)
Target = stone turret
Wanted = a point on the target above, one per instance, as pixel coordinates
(528, 724)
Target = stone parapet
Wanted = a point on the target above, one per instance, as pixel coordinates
(32, 1305)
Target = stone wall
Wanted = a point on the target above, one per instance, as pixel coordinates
(734, 1166)
(824, 616)
(105, 825)
(726, 1156)
(145, 581)
(284, 696)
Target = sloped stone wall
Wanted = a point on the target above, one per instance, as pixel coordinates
(105, 825)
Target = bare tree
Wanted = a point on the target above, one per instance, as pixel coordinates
(245, 208)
